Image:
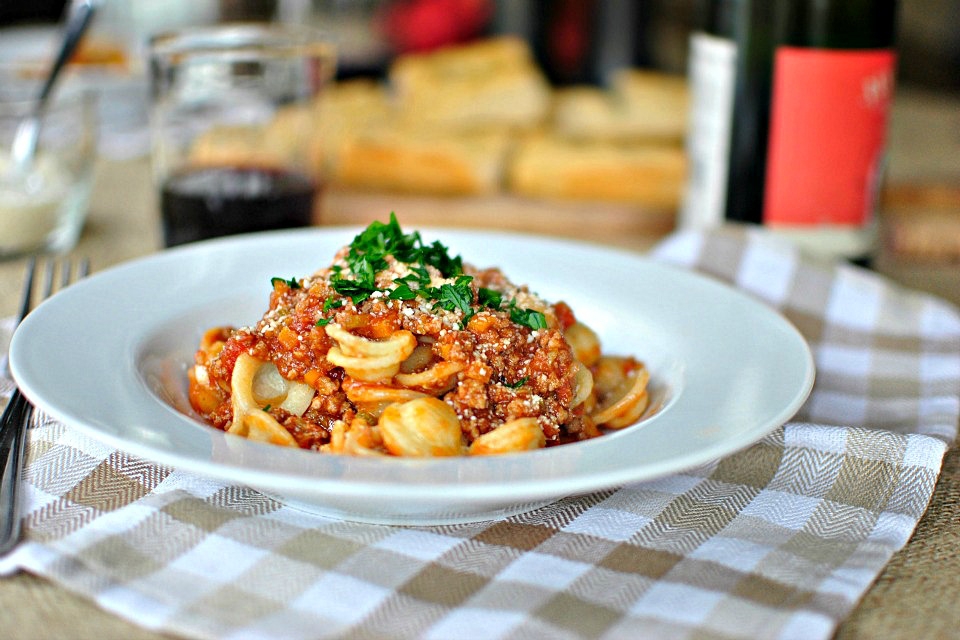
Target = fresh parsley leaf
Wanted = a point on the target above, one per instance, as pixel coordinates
(456, 296)
(516, 385)
(418, 279)
(332, 303)
(423, 276)
(292, 282)
(379, 240)
(402, 292)
(527, 317)
(367, 257)
(266, 408)
(374, 240)
(536, 320)
(489, 298)
(407, 280)
(430, 293)
(364, 271)
(357, 291)
(436, 255)
(322, 322)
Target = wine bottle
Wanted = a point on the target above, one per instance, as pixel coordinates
(790, 101)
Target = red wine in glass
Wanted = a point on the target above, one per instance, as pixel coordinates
(208, 202)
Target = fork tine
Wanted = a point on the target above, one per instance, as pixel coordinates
(63, 267)
(28, 287)
(48, 269)
(66, 266)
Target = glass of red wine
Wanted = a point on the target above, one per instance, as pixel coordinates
(233, 120)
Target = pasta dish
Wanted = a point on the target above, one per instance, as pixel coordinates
(398, 348)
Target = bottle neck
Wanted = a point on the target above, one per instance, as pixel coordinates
(827, 24)
(833, 24)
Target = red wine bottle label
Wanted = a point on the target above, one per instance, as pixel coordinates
(828, 122)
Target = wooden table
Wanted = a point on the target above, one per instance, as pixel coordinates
(913, 598)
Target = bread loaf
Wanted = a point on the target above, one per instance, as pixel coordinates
(391, 158)
(345, 110)
(640, 107)
(493, 83)
(552, 167)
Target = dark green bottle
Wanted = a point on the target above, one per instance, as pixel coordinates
(790, 103)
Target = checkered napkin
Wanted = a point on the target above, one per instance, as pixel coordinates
(777, 541)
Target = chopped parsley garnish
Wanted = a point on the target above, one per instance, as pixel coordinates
(489, 297)
(524, 317)
(419, 277)
(436, 256)
(292, 282)
(322, 322)
(380, 240)
(366, 257)
(358, 291)
(527, 317)
(403, 292)
(516, 385)
(266, 408)
(456, 296)
(332, 303)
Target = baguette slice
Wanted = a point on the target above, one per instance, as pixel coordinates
(640, 106)
(417, 161)
(343, 111)
(492, 83)
(554, 168)
(660, 100)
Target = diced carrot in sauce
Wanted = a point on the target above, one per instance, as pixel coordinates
(381, 328)
(564, 315)
(310, 377)
(287, 337)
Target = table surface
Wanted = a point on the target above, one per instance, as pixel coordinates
(915, 595)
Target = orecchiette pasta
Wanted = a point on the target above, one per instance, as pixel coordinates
(373, 398)
(270, 388)
(358, 438)
(401, 349)
(522, 434)
(584, 342)
(626, 403)
(369, 360)
(421, 427)
(583, 389)
(249, 418)
(438, 378)
(418, 360)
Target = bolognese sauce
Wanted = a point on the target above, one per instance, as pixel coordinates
(394, 320)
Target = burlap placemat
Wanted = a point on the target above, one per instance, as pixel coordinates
(780, 540)
(914, 596)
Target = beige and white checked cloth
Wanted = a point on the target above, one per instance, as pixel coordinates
(777, 541)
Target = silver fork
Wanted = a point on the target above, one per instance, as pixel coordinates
(16, 417)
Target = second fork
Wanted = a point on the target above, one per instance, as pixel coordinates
(18, 412)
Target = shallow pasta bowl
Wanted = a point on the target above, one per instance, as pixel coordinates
(109, 356)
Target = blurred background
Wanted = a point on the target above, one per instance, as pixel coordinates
(576, 40)
(578, 49)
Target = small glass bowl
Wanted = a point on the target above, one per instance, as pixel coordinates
(44, 207)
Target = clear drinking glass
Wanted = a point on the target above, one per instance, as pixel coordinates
(43, 207)
(233, 123)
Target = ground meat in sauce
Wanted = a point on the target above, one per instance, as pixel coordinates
(510, 371)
